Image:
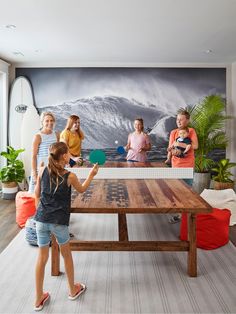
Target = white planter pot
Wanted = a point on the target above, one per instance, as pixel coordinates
(9, 190)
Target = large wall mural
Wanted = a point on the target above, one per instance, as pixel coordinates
(109, 99)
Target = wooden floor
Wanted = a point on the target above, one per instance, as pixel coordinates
(9, 228)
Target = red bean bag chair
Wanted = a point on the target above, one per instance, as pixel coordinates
(212, 230)
(25, 207)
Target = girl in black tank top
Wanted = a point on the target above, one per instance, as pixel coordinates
(54, 204)
(53, 194)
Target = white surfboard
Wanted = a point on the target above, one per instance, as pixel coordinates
(21, 97)
(29, 127)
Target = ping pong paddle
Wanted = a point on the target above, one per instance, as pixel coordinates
(72, 162)
(97, 156)
(120, 150)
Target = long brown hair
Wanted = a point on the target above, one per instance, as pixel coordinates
(56, 151)
(70, 121)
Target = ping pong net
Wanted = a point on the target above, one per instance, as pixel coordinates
(136, 173)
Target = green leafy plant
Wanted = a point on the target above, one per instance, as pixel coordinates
(14, 171)
(208, 119)
(221, 168)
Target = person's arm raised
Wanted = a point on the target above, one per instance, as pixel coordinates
(73, 180)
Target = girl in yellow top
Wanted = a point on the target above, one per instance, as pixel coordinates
(73, 136)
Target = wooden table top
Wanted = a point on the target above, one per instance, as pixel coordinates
(139, 196)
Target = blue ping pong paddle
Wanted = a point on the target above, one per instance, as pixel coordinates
(120, 150)
(97, 156)
(72, 162)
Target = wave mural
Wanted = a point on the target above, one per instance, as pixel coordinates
(107, 100)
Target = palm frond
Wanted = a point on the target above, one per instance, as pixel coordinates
(208, 119)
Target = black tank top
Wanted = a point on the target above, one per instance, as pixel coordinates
(54, 206)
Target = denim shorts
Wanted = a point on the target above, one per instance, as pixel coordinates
(44, 231)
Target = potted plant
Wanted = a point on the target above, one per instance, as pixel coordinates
(12, 173)
(222, 177)
(208, 119)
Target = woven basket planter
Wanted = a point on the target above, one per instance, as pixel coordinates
(223, 185)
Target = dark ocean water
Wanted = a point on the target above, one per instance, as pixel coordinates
(112, 155)
(156, 154)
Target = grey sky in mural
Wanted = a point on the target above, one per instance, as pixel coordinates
(108, 99)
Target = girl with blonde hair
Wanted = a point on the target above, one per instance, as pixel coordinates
(41, 142)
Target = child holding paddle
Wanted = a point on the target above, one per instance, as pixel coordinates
(138, 143)
(53, 190)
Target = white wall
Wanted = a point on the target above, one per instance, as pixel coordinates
(4, 83)
(231, 153)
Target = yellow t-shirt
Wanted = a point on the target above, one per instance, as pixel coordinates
(73, 141)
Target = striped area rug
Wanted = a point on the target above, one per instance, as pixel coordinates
(123, 282)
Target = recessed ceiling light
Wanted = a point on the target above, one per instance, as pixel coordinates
(208, 51)
(10, 26)
(18, 53)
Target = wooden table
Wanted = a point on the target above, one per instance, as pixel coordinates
(126, 196)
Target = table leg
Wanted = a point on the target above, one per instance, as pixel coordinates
(192, 253)
(122, 227)
(55, 267)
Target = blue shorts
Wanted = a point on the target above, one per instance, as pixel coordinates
(44, 231)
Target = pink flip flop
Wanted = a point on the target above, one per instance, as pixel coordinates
(79, 292)
(44, 300)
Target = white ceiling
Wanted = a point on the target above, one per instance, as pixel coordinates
(117, 32)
